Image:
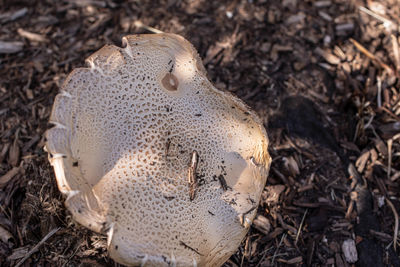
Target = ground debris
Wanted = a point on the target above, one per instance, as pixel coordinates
(262, 224)
(4, 179)
(323, 76)
(10, 47)
(350, 251)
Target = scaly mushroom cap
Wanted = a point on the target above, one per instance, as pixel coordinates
(149, 152)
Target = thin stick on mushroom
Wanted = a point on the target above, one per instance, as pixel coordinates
(167, 146)
(222, 182)
(245, 221)
(189, 247)
(192, 179)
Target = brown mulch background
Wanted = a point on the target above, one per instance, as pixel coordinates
(324, 76)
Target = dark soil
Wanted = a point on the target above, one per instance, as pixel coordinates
(323, 75)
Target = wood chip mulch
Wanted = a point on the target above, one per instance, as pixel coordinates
(324, 76)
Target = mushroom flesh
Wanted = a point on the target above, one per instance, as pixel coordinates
(151, 154)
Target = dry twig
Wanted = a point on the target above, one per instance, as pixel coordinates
(35, 248)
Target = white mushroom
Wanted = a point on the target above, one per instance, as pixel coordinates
(150, 153)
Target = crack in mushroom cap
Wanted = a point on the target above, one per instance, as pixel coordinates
(124, 132)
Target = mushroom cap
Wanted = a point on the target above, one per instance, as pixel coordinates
(127, 132)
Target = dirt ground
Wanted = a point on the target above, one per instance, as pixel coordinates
(323, 75)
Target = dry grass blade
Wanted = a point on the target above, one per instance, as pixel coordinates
(396, 223)
(140, 25)
(264, 254)
(387, 23)
(300, 227)
(277, 249)
(36, 247)
(371, 56)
